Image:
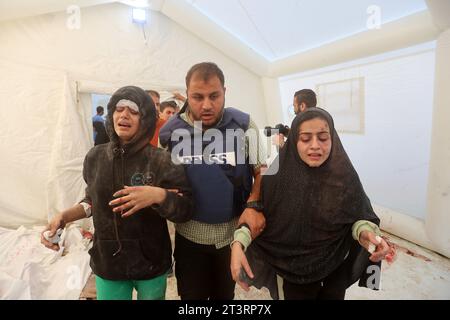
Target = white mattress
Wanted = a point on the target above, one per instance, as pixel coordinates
(28, 270)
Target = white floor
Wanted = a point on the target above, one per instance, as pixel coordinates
(416, 273)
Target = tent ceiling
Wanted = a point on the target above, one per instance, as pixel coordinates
(274, 29)
(262, 33)
(278, 29)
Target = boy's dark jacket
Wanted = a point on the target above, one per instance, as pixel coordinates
(136, 247)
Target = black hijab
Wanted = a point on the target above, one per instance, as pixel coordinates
(310, 212)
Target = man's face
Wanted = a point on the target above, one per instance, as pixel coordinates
(297, 107)
(155, 101)
(206, 100)
(167, 113)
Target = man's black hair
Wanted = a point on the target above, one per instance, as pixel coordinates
(306, 96)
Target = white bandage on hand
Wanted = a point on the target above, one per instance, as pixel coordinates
(55, 238)
(87, 209)
(372, 247)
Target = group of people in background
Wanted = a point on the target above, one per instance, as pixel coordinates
(308, 231)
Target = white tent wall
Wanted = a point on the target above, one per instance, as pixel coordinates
(73, 139)
(31, 99)
(47, 131)
(397, 111)
(392, 156)
(46, 136)
(438, 214)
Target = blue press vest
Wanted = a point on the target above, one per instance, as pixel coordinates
(220, 189)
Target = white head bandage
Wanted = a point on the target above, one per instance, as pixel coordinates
(128, 103)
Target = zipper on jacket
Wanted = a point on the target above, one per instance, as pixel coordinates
(116, 229)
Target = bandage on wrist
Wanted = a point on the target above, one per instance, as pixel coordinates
(87, 209)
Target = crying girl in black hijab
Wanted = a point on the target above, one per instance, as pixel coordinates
(321, 232)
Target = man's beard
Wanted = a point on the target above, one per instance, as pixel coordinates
(216, 121)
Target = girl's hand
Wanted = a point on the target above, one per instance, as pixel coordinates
(133, 199)
(377, 246)
(239, 262)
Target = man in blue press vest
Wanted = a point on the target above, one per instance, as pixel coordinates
(223, 166)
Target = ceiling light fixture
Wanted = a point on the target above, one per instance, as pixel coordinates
(139, 15)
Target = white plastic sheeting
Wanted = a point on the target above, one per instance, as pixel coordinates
(28, 270)
(44, 138)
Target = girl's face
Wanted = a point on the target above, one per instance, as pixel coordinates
(314, 142)
(126, 123)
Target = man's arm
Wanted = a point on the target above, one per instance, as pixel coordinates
(257, 157)
(254, 219)
(256, 187)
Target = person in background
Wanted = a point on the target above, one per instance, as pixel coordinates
(303, 99)
(155, 96)
(101, 136)
(99, 115)
(178, 96)
(98, 118)
(167, 109)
